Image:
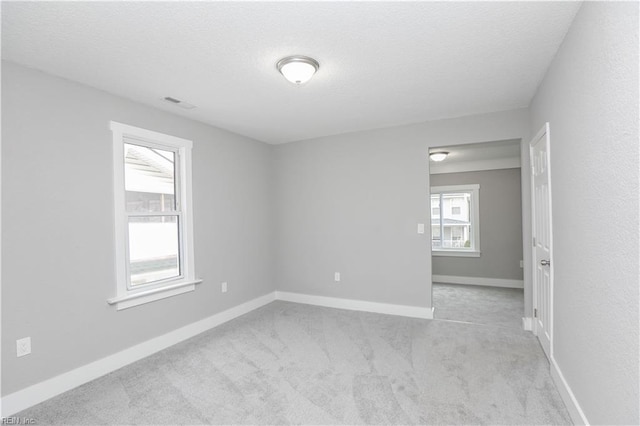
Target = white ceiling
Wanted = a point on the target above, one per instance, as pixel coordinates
(381, 63)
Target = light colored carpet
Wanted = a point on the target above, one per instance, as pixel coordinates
(289, 363)
(503, 307)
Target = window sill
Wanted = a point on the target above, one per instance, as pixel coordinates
(455, 253)
(142, 297)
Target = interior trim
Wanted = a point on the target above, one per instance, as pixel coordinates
(491, 282)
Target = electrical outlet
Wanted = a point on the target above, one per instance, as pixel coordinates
(223, 287)
(336, 276)
(23, 346)
(421, 228)
(522, 263)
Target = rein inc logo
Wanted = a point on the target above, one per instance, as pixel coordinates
(17, 421)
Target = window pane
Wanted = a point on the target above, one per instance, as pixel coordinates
(149, 176)
(435, 236)
(435, 206)
(435, 221)
(153, 248)
(456, 220)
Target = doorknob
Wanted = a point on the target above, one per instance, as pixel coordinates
(545, 262)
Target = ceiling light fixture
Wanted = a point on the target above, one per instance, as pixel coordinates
(298, 69)
(438, 156)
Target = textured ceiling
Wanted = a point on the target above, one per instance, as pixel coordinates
(381, 63)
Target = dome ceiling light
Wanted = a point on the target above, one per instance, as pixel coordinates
(438, 156)
(298, 69)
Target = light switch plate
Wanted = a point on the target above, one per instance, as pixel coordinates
(421, 228)
(23, 346)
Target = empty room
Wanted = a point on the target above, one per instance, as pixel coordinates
(320, 213)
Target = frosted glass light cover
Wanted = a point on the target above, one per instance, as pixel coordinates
(298, 72)
(298, 69)
(438, 156)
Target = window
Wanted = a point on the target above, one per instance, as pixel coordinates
(153, 225)
(457, 233)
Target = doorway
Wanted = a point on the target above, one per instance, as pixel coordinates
(476, 233)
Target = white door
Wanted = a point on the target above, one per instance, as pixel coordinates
(542, 239)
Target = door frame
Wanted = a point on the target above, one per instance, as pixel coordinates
(525, 176)
(543, 132)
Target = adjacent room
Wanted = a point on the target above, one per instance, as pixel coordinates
(232, 213)
(476, 233)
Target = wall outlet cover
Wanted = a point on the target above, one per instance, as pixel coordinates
(224, 287)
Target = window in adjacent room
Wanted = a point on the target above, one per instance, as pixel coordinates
(153, 225)
(456, 233)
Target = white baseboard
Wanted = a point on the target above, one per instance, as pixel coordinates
(527, 323)
(357, 305)
(569, 399)
(492, 282)
(35, 394)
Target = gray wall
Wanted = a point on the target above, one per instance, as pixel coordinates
(500, 226)
(347, 203)
(351, 203)
(590, 98)
(57, 225)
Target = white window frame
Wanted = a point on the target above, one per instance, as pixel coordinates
(474, 215)
(127, 296)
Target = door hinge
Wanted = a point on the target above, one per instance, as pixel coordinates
(535, 313)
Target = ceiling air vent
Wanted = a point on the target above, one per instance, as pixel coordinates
(178, 102)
